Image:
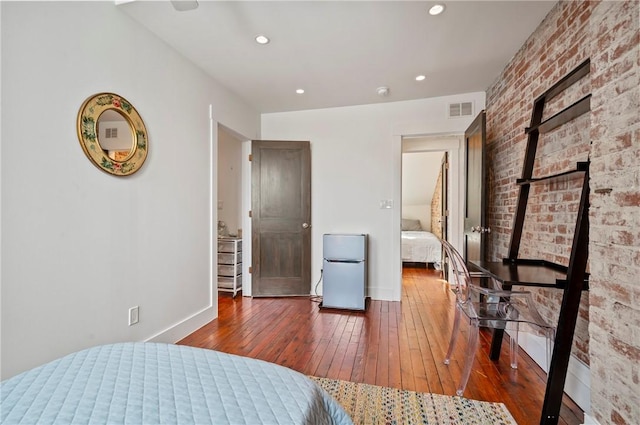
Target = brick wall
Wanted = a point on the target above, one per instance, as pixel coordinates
(551, 212)
(614, 246)
(608, 331)
(436, 208)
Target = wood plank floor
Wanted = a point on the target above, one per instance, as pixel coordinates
(395, 344)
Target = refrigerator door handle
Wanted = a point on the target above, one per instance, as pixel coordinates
(343, 261)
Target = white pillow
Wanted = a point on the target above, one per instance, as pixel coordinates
(410, 224)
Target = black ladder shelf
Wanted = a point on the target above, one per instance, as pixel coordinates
(576, 279)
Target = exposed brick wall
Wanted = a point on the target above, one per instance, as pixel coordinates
(608, 330)
(614, 245)
(551, 212)
(436, 208)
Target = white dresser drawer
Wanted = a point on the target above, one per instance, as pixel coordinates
(229, 270)
(230, 264)
(229, 283)
(230, 245)
(229, 258)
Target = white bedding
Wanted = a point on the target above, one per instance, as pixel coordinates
(421, 247)
(148, 383)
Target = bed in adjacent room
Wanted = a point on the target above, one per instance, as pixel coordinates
(418, 245)
(146, 383)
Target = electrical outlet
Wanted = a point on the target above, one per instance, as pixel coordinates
(134, 315)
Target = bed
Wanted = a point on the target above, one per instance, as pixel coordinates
(151, 383)
(419, 246)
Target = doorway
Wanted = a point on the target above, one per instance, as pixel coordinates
(281, 218)
(424, 214)
(236, 215)
(227, 251)
(453, 146)
(229, 203)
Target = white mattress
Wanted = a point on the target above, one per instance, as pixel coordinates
(421, 247)
(148, 383)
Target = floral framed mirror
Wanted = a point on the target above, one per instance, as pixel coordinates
(112, 134)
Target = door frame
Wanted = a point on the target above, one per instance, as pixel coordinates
(453, 143)
(245, 206)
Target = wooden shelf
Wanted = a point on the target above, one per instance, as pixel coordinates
(568, 80)
(573, 279)
(581, 168)
(567, 114)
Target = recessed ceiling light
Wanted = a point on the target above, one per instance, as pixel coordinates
(436, 9)
(300, 91)
(420, 78)
(262, 39)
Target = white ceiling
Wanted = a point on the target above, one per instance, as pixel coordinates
(340, 52)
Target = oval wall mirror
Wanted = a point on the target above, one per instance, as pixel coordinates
(112, 134)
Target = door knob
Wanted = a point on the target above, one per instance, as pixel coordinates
(305, 225)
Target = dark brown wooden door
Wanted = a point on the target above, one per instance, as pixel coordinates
(444, 197)
(281, 218)
(475, 229)
(444, 209)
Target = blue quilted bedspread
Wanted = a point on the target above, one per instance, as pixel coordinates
(149, 383)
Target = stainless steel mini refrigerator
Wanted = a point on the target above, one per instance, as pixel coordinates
(344, 271)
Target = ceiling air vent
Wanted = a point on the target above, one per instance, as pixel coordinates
(462, 109)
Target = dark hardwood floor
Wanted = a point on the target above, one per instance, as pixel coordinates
(395, 344)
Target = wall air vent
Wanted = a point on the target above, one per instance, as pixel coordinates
(462, 109)
(111, 133)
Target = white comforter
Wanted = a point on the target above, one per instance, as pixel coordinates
(421, 247)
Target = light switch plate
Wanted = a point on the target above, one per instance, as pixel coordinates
(386, 204)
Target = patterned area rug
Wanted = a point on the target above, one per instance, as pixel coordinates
(372, 405)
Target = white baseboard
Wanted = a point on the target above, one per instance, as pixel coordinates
(578, 383)
(177, 331)
(382, 294)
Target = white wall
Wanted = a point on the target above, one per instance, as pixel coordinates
(79, 246)
(229, 180)
(356, 157)
(420, 172)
